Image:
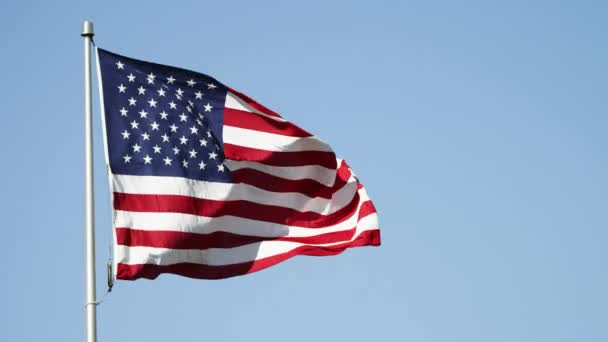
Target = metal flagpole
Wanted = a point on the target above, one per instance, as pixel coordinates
(91, 306)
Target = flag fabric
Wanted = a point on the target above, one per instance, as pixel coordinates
(207, 183)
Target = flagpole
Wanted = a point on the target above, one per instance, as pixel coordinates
(91, 305)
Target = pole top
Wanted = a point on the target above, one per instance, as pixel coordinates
(87, 29)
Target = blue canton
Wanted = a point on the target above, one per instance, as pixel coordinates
(162, 120)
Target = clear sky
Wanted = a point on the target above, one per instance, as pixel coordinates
(480, 130)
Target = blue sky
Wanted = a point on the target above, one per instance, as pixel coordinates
(480, 130)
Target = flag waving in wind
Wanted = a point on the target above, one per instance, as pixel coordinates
(207, 183)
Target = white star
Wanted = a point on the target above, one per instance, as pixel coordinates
(208, 107)
(172, 105)
(145, 136)
(165, 137)
(185, 163)
(203, 142)
(136, 148)
(183, 140)
(212, 155)
(198, 95)
(141, 90)
(161, 92)
(173, 128)
(120, 65)
(132, 101)
(121, 88)
(209, 133)
(127, 158)
(123, 112)
(175, 150)
(189, 109)
(190, 103)
(193, 153)
(191, 82)
(183, 117)
(131, 77)
(151, 77)
(180, 92)
(199, 122)
(163, 115)
(125, 134)
(134, 124)
(152, 103)
(156, 148)
(220, 167)
(170, 80)
(147, 159)
(193, 130)
(202, 165)
(168, 160)
(143, 114)
(154, 126)
(211, 86)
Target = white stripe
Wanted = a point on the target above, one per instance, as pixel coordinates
(219, 256)
(316, 173)
(164, 185)
(272, 142)
(235, 102)
(187, 223)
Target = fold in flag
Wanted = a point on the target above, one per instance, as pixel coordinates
(207, 183)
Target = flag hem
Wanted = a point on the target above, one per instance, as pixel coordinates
(107, 160)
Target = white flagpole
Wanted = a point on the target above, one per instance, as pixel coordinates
(91, 305)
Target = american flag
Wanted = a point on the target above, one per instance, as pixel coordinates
(207, 183)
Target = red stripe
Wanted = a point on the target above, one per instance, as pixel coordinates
(268, 182)
(128, 236)
(248, 120)
(303, 158)
(240, 208)
(184, 240)
(253, 103)
(307, 187)
(132, 272)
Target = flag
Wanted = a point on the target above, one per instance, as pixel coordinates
(207, 183)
